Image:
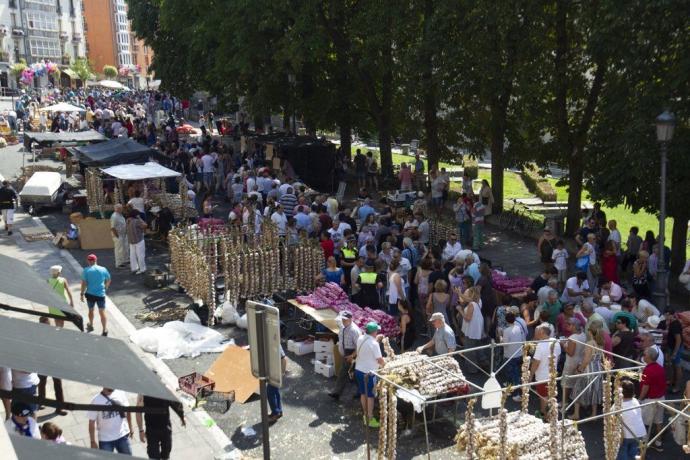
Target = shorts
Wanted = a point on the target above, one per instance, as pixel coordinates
(361, 174)
(8, 216)
(542, 389)
(654, 413)
(93, 300)
(676, 361)
(365, 383)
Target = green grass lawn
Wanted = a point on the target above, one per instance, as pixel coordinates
(514, 187)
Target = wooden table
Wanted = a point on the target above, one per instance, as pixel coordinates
(324, 316)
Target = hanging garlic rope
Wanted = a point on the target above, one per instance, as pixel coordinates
(525, 379)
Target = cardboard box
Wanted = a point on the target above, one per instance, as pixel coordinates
(326, 370)
(324, 357)
(321, 346)
(301, 348)
(95, 234)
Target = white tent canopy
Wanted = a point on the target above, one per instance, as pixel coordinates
(111, 84)
(149, 170)
(62, 107)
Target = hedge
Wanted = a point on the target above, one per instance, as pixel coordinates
(537, 184)
(471, 167)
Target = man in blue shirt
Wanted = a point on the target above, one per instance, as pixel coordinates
(94, 281)
(419, 172)
(302, 220)
(365, 210)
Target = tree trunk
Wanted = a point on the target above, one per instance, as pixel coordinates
(679, 240)
(497, 167)
(430, 110)
(385, 133)
(575, 176)
(345, 138)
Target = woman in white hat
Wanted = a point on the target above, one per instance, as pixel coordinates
(59, 285)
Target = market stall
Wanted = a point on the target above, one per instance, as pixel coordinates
(105, 187)
(116, 152)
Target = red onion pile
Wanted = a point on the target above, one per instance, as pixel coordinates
(510, 285)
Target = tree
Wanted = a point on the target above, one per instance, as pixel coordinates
(646, 78)
(109, 71)
(82, 68)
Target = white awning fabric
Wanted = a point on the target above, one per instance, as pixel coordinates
(148, 170)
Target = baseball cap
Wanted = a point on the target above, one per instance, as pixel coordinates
(346, 314)
(372, 326)
(20, 409)
(437, 315)
(92, 257)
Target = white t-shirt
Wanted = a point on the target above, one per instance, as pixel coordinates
(542, 353)
(560, 259)
(110, 425)
(572, 284)
(207, 162)
(368, 353)
(591, 252)
(11, 428)
(437, 186)
(615, 235)
(281, 221)
(21, 379)
(633, 426)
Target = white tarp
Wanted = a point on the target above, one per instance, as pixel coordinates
(175, 339)
(148, 170)
(42, 183)
(62, 107)
(111, 84)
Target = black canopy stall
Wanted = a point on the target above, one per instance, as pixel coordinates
(18, 279)
(117, 152)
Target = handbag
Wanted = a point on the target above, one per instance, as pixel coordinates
(582, 263)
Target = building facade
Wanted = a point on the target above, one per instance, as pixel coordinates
(110, 41)
(37, 31)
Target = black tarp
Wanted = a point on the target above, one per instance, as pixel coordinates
(312, 159)
(48, 138)
(116, 152)
(18, 279)
(33, 449)
(95, 360)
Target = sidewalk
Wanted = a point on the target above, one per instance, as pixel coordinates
(201, 439)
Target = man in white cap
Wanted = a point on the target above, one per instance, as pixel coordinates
(443, 340)
(118, 228)
(348, 335)
(604, 309)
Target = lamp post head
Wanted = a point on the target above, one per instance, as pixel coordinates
(665, 123)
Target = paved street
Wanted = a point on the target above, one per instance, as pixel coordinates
(325, 429)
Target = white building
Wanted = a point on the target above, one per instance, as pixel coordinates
(38, 30)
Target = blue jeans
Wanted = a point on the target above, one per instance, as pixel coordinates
(273, 394)
(122, 445)
(513, 368)
(465, 232)
(628, 450)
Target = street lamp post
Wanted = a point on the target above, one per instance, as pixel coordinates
(665, 123)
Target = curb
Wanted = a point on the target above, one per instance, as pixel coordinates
(158, 365)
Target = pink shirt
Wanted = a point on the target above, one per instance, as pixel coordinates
(405, 177)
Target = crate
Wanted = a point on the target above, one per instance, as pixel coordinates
(196, 385)
(218, 401)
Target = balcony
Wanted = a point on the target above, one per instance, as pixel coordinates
(76, 37)
(17, 32)
(64, 36)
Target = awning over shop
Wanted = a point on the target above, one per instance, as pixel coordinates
(29, 448)
(140, 172)
(42, 139)
(19, 280)
(71, 74)
(117, 152)
(99, 361)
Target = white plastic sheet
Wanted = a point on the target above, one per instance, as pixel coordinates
(175, 339)
(148, 170)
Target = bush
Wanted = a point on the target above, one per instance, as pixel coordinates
(471, 168)
(537, 184)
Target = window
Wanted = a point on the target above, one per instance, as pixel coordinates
(125, 59)
(42, 2)
(40, 21)
(123, 38)
(13, 16)
(44, 48)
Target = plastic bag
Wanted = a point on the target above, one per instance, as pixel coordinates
(582, 263)
(242, 321)
(229, 313)
(192, 317)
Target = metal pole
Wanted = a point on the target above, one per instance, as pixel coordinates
(262, 384)
(661, 272)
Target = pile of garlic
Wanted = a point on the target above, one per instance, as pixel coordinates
(430, 376)
(525, 438)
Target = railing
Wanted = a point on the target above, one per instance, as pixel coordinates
(8, 92)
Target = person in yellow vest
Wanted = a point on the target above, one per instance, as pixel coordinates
(60, 286)
(369, 282)
(348, 258)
